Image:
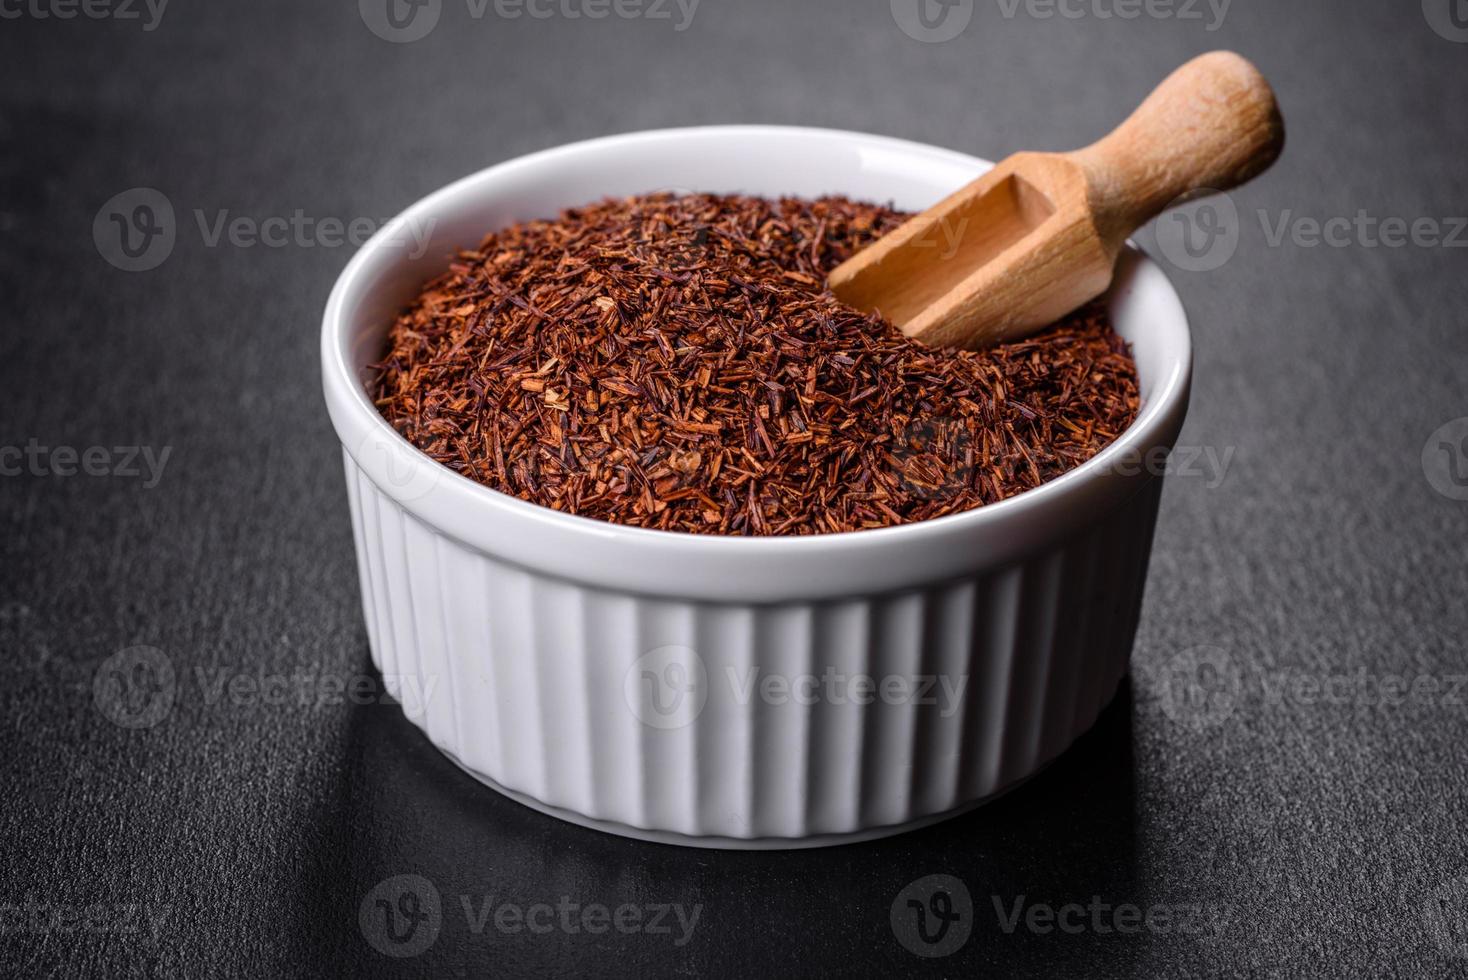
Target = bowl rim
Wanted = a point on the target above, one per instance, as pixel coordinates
(1157, 422)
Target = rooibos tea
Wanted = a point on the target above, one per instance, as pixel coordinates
(676, 362)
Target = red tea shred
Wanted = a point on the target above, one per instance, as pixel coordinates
(676, 362)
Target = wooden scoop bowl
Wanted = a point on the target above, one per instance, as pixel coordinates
(1038, 236)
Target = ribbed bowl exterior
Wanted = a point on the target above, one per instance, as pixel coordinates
(554, 690)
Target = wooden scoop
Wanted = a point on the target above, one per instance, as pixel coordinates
(1038, 236)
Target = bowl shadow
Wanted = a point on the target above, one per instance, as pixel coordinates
(401, 808)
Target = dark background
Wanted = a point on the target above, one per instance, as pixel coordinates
(1321, 834)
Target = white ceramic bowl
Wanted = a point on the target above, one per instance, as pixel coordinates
(621, 678)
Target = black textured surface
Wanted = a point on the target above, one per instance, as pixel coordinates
(1322, 835)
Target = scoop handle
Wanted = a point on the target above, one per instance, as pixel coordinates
(1210, 126)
